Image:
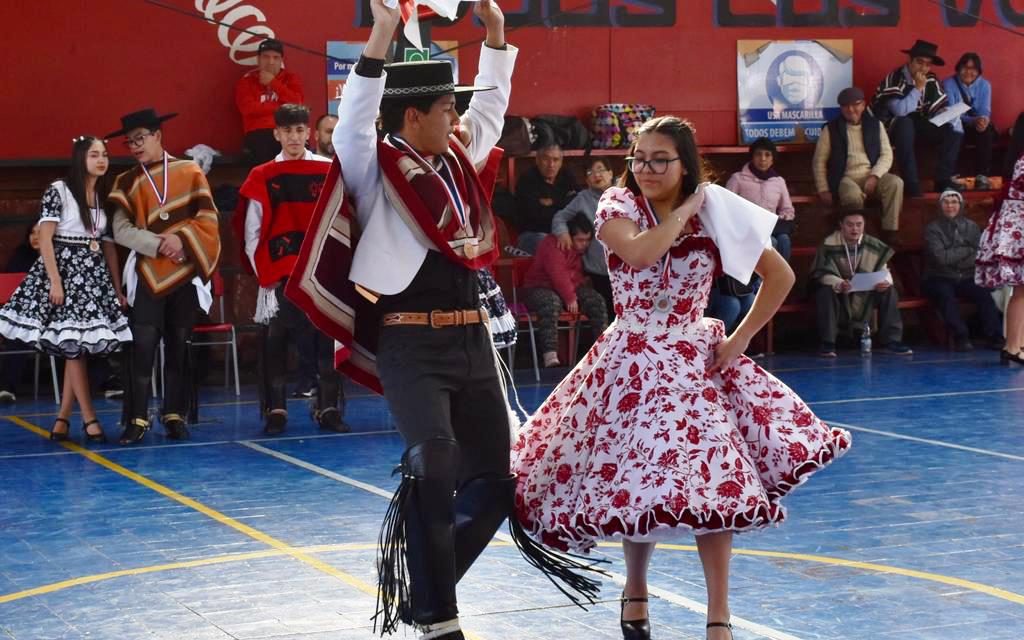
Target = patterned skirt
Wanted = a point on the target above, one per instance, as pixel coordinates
(640, 443)
(89, 322)
(503, 324)
(1000, 260)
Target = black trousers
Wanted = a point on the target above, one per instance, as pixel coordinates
(603, 285)
(907, 130)
(291, 325)
(833, 312)
(170, 318)
(943, 293)
(983, 142)
(443, 390)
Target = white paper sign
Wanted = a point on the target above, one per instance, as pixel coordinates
(868, 281)
(950, 114)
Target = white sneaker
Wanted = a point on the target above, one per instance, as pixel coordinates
(6, 397)
(551, 359)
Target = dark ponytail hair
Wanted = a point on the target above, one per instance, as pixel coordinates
(77, 174)
(683, 135)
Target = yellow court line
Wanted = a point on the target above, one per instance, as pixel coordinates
(255, 534)
(283, 548)
(995, 592)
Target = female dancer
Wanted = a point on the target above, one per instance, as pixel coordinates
(70, 303)
(1000, 261)
(665, 427)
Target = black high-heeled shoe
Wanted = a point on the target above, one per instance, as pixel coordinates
(60, 436)
(95, 438)
(712, 625)
(1007, 358)
(634, 629)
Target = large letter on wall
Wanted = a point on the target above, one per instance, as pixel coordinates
(663, 15)
(827, 17)
(228, 32)
(1010, 15)
(530, 15)
(956, 17)
(724, 17)
(570, 17)
(886, 14)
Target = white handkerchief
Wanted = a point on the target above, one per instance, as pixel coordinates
(741, 230)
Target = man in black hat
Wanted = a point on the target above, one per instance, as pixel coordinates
(164, 213)
(258, 95)
(905, 101)
(852, 161)
(425, 228)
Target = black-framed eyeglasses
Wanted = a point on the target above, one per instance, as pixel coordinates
(137, 141)
(656, 166)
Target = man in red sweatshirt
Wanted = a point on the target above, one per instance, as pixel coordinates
(555, 279)
(259, 93)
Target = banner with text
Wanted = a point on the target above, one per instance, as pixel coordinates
(788, 88)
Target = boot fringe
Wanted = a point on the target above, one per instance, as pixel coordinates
(562, 569)
(393, 599)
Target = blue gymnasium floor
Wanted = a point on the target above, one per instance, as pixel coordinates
(917, 533)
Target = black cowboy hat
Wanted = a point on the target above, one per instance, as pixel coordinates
(423, 79)
(925, 49)
(145, 119)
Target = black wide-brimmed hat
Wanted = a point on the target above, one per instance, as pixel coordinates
(423, 79)
(925, 49)
(146, 119)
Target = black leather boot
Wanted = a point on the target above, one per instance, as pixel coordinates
(416, 563)
(481, 505)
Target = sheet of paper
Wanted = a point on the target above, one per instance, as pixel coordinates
(867, 281)
(950, 114)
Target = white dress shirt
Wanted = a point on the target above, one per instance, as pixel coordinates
(389, 254)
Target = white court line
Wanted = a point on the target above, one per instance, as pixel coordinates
(947, 394)
(937, 443)
(617, 578)
(278, 438)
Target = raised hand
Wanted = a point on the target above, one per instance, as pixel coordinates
(491, 16)
(384, 14)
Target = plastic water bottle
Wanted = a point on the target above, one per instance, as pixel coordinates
(865, 340)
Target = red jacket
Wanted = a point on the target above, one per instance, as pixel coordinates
(553, 268)
(257, 103)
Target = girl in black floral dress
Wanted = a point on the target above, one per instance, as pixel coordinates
(70, 303)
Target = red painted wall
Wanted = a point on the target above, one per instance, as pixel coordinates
(73, 66)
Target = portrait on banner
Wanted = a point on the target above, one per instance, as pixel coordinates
(787, 88)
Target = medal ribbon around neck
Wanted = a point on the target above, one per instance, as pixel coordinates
(94, 215)
(662, 297)
(447, 179)
(854, 262)
(160, 197)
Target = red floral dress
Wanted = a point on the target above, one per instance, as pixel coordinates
(639, 442)
(1000, 260)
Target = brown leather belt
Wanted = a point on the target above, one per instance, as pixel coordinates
(436, 319)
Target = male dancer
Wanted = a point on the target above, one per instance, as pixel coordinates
(277, 200)
(426, 227)
(164, 213)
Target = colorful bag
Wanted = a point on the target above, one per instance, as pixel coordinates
(614, 125)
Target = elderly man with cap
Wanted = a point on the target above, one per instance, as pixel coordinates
(164, 213)
(425, 226)
(852, 161)
(906, 100)
(258, 95)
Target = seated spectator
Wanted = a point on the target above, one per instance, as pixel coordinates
(324, 135)
(595, 266)
(759, 182)
(540, 193)
(951, 246)
(14, 367)
(842, 254)
(904, 101)
(852, 161)
(555, 281)
(259, 93)
(967, 85)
